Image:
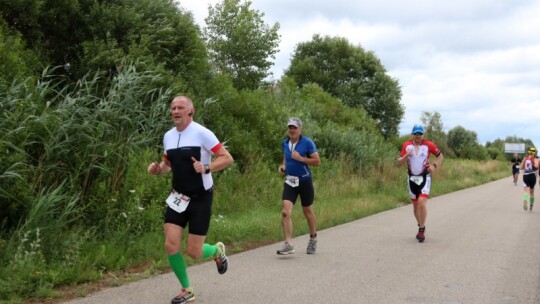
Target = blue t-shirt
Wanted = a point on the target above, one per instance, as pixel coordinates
(305, 147)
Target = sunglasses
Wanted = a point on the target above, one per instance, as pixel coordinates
(418, 134)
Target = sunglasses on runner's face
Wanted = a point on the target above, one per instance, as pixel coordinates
(418, 134)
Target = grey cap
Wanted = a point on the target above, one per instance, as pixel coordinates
(294, 121)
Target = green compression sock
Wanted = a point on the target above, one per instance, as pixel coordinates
(209, 250)
(178, 265)
(525, 197)
(532, 200)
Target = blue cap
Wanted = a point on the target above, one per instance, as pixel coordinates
(417, 129)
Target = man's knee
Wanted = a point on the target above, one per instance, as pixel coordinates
(285, 213)
(171, 247)
(286, 210)
(421, 200)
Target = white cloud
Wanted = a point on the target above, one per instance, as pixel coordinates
(474, 62)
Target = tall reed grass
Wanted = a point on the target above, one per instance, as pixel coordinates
(65, 151)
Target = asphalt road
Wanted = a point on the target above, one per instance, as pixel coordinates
(481, 247)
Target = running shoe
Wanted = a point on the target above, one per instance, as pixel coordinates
(221, 259)
(525, 205)
(186, 295)
(311, 246)
(420, 236)
(286, 249)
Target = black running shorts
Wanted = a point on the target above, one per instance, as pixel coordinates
(305, 190)
(197, 214)
(529, 180)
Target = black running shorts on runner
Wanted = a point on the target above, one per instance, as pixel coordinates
(529, 180)
(305, 190)
(197, 214)
(416, 191)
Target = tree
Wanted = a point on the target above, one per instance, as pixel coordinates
(465, 144)
(15, 59)
(104, 35)
(240, 43)
(355, 76)
(459, 137)
(435, 131)
(53, 27)
(432, 122)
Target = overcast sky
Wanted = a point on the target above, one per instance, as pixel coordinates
(476, 62)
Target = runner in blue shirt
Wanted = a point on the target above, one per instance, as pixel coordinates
(299, 153)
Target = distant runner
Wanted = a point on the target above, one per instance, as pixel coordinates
(415, 153)
(530, 166)
(516, 163)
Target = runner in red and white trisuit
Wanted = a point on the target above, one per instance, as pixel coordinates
(416, 153)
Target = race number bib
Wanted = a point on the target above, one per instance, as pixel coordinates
(292, 181)
(529, 166)
(517, 166)
(177, 201)
(417, 179)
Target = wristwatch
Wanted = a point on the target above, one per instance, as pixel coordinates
(206, 169)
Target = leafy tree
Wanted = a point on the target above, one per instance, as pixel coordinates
(495, 153)
(459, 137)
(106, 35)
(350, 73)
(465, 144)
(432, 122)
(156, 32)
(15, 59)
(54, 27)
(435, 131)
(240, 43)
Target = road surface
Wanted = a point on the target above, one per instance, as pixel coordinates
(481, 247)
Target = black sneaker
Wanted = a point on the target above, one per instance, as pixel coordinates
(420, 236)
(221, 259)
(186, 295)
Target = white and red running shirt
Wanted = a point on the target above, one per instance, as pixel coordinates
(195, 141)
(529, 165)
(419, 162)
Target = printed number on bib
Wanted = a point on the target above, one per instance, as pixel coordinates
(177, 201)
(529, 166)
(292, 181)
(417, 179)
